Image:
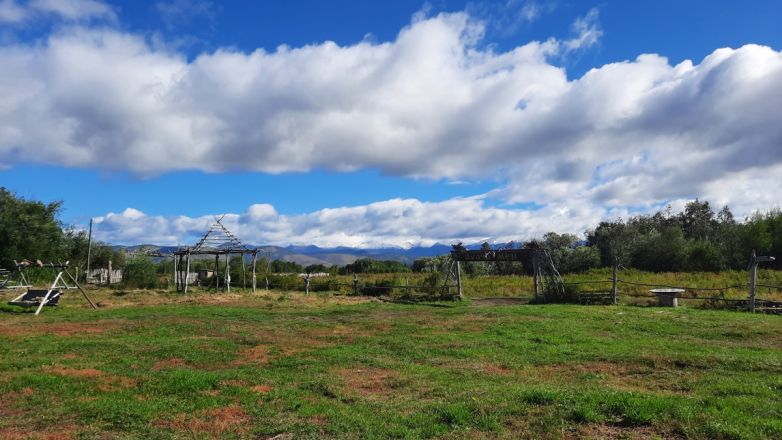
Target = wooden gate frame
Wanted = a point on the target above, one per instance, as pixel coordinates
(543, 269)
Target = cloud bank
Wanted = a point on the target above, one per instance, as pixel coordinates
(391, 223)
(434, 103)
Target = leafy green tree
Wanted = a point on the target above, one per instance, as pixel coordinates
(102, 253)
(281, 266)
(614, 240)
(698, 220)
(369, 265)
(661, 251)
(580, 259)
(316, 268)
(29, 229)
(139, 273)
(704, 256)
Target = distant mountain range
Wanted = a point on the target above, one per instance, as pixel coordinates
(306, 255)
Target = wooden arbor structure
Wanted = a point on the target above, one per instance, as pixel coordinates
(217, 241)
(546, 277)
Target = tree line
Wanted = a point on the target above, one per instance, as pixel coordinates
(696, 239)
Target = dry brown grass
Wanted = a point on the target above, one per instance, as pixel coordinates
(368, 382)
(209, 423)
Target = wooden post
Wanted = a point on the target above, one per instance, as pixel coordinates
(355, 284)
(307, 285)
(227, 274)
(458, 280)
(76, 283)
(217, 272)
(535, 278)
(254, 278)
(753, 280)
(267, 283)
(108, 276)
(613, 281)
(187, 271)
(753, 276)
(176, 272)
(89, 252)
(244, 283)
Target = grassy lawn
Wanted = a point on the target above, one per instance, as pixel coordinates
(150, 365)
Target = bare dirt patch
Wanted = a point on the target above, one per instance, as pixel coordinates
(274, 345)
(74, 372)
(494, 369)
(317, 420)
(627, 377)
(8, 402)
(210, 423)
(368, 382)
(114, 383)
(233, 383)
(263, 389)
(67, 432)
(611, 432)
(255, 355)
(58, 329)
(169, 363)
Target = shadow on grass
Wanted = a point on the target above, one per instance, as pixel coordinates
(423, 302)
(16, 310)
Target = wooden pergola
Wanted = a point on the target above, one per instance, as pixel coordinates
(217, 241)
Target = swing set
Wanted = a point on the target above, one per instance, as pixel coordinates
(51, 296)
(15, 279)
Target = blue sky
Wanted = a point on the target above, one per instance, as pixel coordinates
(395, 123)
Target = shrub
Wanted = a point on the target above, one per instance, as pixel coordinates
(139, 273)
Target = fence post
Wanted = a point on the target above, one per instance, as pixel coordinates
(307, 285)
(613, 281)
(753, 276)
(355, 284)
(535, 276)
(187, 271)
(458, 279)
(267, 283)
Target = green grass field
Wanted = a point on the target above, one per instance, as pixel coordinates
(160, 365)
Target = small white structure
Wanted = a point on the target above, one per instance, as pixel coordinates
(668, 297)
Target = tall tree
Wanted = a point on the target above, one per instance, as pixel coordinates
(28, 229)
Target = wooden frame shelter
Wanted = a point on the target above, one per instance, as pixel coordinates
(546, 277)
(217, 241)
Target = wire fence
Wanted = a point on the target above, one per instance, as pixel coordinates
(596, 290)
(401, 287)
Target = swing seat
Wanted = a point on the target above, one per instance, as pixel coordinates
(33, 298)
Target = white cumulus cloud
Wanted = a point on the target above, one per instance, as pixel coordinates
(12, 11)
(433, 103)
(395, 222)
